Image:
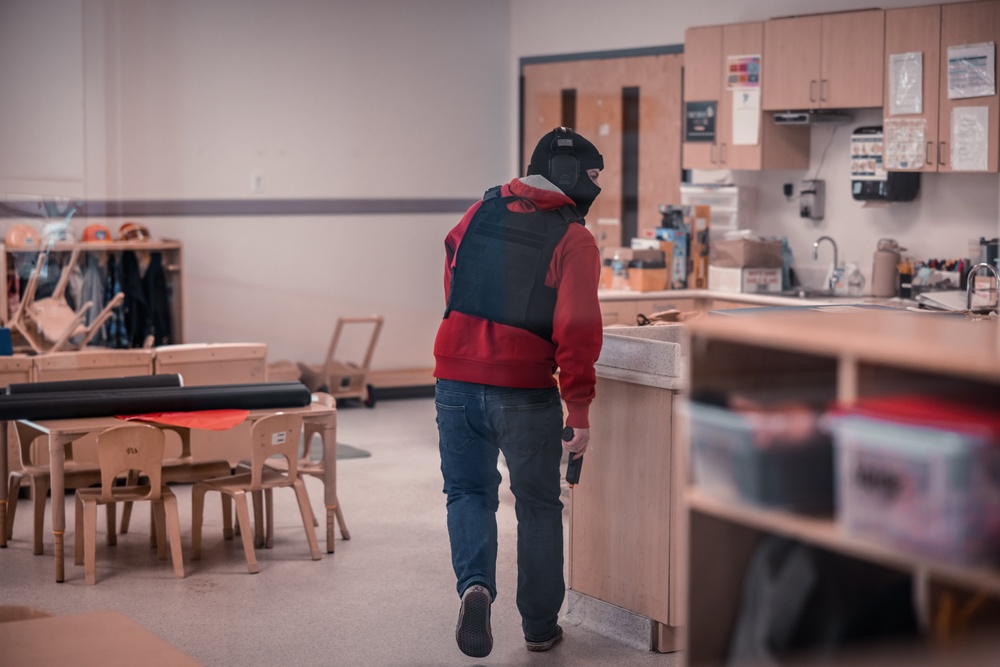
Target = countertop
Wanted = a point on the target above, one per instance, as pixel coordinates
(749, 297)
(656, 356)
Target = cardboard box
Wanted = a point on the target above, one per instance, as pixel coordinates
(642, 254)
(756, 281)
(647, 279)
(747, 253)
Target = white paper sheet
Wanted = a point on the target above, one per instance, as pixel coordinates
(971, 71)
(746, 117)
(904, 143)
(970, 136)
(906, 73)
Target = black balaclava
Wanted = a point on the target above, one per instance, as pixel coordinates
(563, 157)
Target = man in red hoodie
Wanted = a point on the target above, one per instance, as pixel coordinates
(520, 281)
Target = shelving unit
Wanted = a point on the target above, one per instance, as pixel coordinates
(846, 356)
(172, 265)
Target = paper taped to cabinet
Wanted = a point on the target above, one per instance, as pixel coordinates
(971, 71)
(906, 73)
(970, 136)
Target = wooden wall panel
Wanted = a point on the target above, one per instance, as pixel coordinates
(659, 81)
(599, 84)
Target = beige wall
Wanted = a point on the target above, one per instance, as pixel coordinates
(185, 99)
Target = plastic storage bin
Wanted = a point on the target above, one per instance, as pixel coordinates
(925, 489)
(728, 464)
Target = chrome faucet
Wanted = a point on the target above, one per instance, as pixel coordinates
(833, 274)
(972, 279)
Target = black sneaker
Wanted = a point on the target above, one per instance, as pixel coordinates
(545, 644)
(473, 633)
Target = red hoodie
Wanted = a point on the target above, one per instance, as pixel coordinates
(473, 349)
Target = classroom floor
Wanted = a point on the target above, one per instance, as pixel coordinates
(386, 597)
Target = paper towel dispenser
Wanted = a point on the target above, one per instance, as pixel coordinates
(869, 179)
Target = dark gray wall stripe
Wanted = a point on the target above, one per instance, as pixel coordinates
(603, 55)
(244, 207)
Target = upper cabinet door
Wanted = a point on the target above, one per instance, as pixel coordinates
(702, 83)
(852, 60)
(907, 31)
(740, 39)
(962, 24)
(702, 63)
(791, 63)
(826, 61)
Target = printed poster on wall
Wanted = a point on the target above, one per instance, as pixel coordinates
(906, 73)
(699, 121)
(743, 72)
(866, 157)
(971, 71)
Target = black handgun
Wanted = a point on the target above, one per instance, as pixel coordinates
(575, 460)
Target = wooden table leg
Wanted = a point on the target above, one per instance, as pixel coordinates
(3, 485)
(333, 511)
(57, 463)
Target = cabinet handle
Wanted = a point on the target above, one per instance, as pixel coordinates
(812, 93)
(722, 153)
(711, 153)
(940, 154)
(822, 87)
(927, 155)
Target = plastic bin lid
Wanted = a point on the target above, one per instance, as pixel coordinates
(930, 412)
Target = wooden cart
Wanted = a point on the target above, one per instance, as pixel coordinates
(345, 379)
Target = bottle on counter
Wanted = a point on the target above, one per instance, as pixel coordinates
(855, 280)
(838, 281)
(885, 268)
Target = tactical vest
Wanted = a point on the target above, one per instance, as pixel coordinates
(500, 267)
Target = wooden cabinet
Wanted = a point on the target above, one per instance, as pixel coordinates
(915, 30)
(826, 61)
(619, 311)
(967, 23)
(706, 55)
(930, 31)
(622, 512)
(846, 356)
(171, 259)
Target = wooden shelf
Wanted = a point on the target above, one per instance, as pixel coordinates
(940, 343)
(172, 260)
(851, 355)
(824, 532)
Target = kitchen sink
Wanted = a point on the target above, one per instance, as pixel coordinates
(803, 293)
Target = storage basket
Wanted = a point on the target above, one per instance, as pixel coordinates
(928, 490)
(726, 463)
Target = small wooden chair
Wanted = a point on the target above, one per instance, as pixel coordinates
(49, 324)
(275, 435)
(78, 475)
(318, 469)
(121, 450)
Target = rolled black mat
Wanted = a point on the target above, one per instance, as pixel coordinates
(111, 402)
(133, 382)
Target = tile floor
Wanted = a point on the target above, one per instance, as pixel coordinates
(386, 597)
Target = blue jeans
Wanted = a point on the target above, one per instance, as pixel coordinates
(475, 423)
